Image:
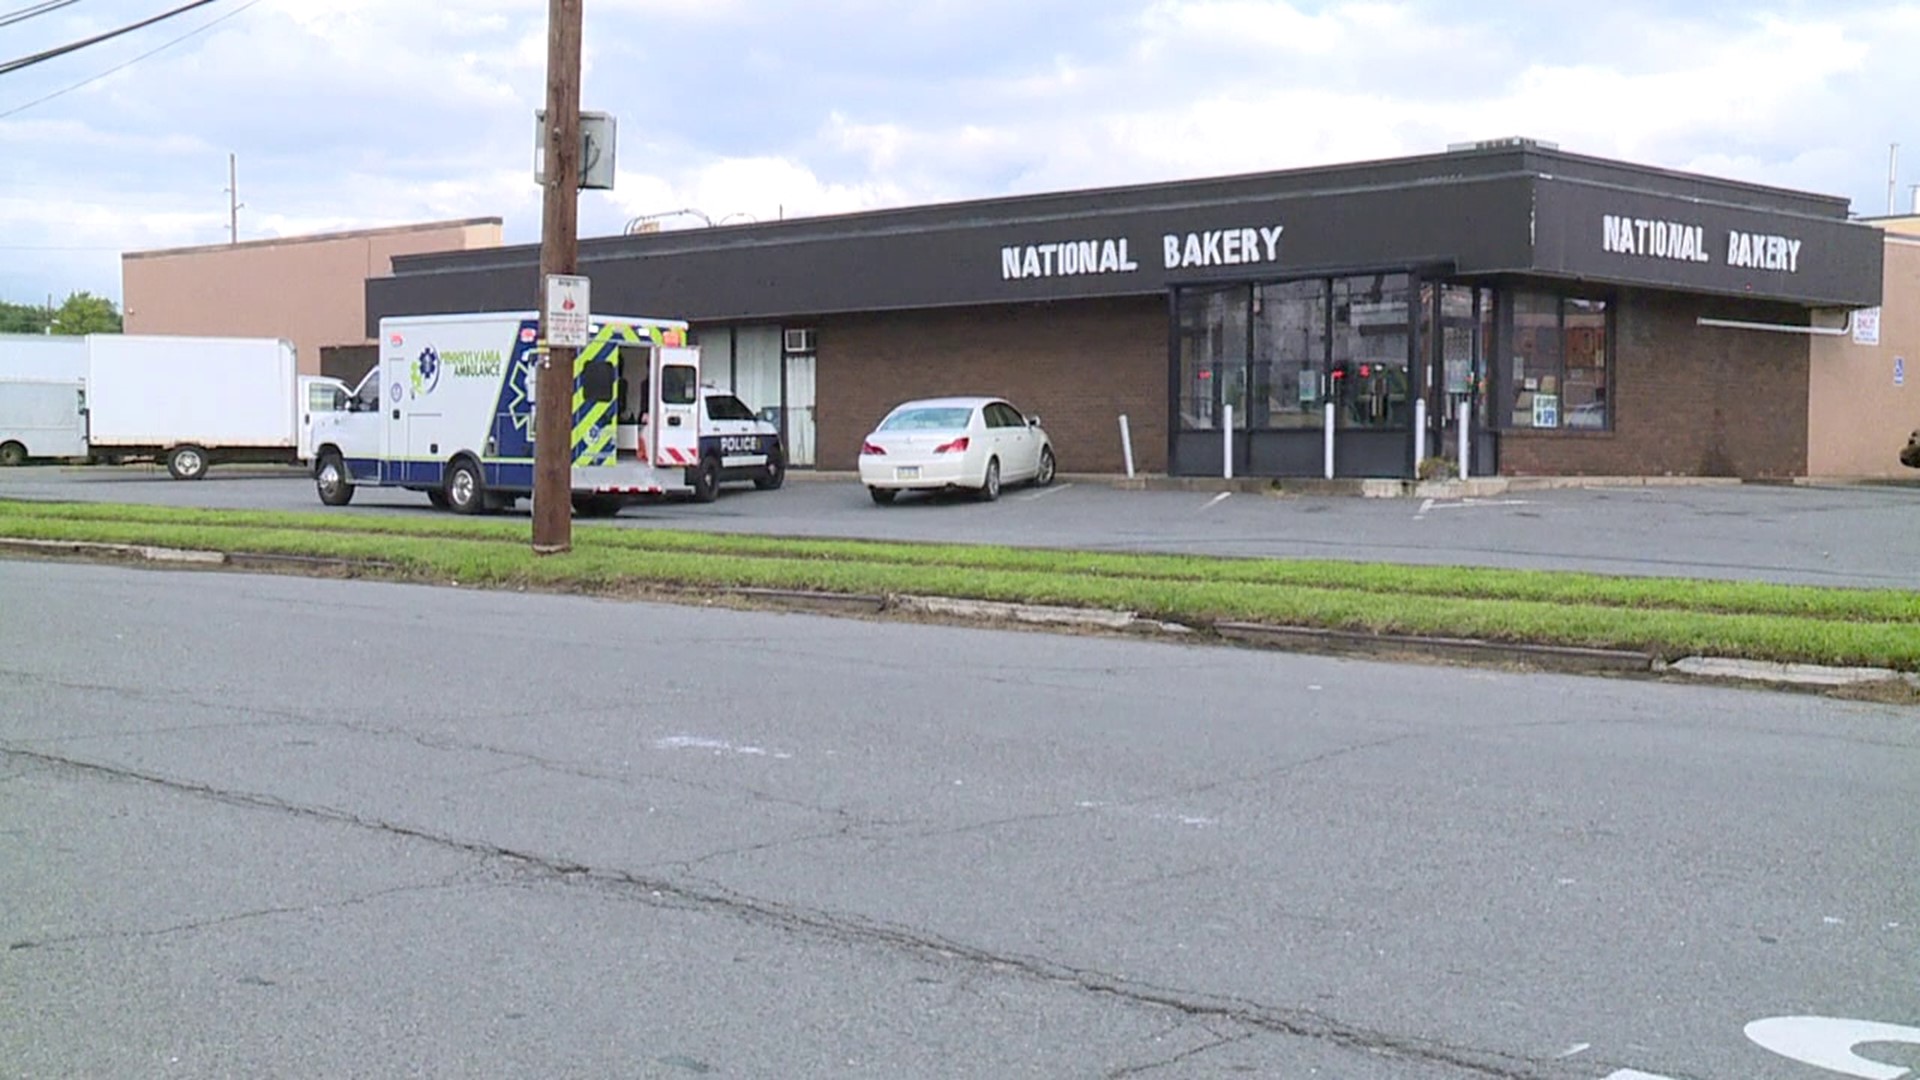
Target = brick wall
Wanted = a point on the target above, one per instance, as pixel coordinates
(1688, 400)
(1079, 365)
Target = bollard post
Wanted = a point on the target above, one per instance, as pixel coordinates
(1329, 440)
(1126, 444)
(1226, 442)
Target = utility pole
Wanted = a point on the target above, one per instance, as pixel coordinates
(559, 252)
(233, 199)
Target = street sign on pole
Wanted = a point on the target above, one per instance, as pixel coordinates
(568, 310)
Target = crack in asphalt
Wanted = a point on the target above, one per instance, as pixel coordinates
(1135, 803)
(856, 930)
(1219, 1041)
(448, 882)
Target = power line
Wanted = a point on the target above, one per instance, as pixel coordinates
(25, 13)
(208, 25)
(54, 53)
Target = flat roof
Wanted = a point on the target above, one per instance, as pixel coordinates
(315, 238)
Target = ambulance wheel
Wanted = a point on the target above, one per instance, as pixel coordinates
(706, 479)
(438, 498)
(465, 492)
(11, 454)
(775, 474)
(330, 480)
(187, 462)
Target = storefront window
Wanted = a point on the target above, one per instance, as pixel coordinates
(1213, 356)
(1289, 354)
(1371, 329)
(1555, 369)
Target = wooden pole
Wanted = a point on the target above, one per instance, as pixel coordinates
(559, 253)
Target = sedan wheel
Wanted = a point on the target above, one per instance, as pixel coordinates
(1045, 475)
(990, 490)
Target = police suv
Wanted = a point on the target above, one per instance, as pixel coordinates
(735, 445)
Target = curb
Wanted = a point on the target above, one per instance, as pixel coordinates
(1565, 658)
(127, 551)
(1778, 674)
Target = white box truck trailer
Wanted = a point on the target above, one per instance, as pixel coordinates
(449, 411)
(194, 402)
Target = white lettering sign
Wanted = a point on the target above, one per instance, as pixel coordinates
(1222, 247)
(1654, 239)
(1759, 251)
(1068, 258)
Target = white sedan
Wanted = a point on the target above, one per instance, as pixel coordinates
(971, 443)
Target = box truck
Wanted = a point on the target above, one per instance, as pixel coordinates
(449, 412)
(191, 402)
(42, 397)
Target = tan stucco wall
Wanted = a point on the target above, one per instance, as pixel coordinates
(310, 290)
(1857, 419)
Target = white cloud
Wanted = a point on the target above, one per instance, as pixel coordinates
(354, 112)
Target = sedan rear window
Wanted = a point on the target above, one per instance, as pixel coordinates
(940, 419)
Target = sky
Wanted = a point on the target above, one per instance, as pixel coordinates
(358, 113)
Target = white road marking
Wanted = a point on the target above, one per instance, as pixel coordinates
(1218, 499)
(1466, 503)
(1827, 1042)
(718, 746)
(1424, 507)
(1575, 1049)
(1635, 1074)
(1045, 491)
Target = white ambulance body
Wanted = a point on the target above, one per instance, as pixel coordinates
(449, 411)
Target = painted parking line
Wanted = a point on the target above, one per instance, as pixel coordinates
(1464, 504)
(1044, 492)
(1217, 500)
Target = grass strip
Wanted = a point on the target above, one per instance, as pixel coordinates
(1727, 597)
(482, 560)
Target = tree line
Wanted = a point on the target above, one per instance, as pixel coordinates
(82, 313)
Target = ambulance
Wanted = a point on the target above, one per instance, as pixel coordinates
(449, 411)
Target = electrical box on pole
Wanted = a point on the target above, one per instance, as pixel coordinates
(597, 132)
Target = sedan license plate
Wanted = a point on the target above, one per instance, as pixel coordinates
(907, 472)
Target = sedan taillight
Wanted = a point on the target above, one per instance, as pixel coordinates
(957, 446)
(867, 448)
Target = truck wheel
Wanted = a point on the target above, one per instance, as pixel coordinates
(597, 506)
(187, 462)
(706, 480)
(775, 475)
(465, 491)
(330, 480)
(12, 453)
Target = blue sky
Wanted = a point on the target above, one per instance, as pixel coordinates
(351, 113)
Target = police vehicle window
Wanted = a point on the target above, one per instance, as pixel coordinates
(727, 407)
(679, 385)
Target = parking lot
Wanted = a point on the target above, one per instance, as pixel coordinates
(1815, 535)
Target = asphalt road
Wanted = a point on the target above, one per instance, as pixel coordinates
(256, 826)
(1863, 536)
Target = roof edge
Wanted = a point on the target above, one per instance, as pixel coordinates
(315, 238)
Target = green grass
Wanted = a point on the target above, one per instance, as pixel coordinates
(1664, 616)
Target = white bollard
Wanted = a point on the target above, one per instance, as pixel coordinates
(1465, 434)
(1226, 442)
(1329, 440)
(1126, 444)
(1419, 434)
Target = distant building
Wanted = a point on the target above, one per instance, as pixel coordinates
(1863, 397)
(310, 290)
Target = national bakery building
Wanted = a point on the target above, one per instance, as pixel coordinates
(1566, 314)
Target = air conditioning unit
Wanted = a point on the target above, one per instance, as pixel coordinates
(800, 341)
